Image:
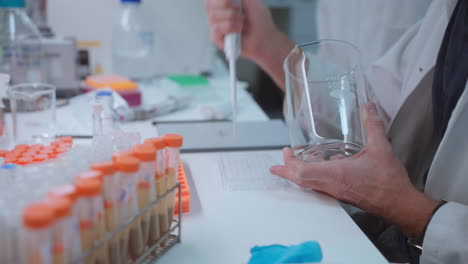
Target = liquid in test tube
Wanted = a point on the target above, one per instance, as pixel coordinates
(174, 142)
(69, 192)
(132, 237)
(158, 218)
(101, 230)
(111, 188)
(90, 208)
(63, 230)
(146, 194)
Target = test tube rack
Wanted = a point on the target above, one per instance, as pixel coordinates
(165, 243)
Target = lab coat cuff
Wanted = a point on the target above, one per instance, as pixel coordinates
(446, 235)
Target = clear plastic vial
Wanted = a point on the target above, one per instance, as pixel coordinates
(132, 43)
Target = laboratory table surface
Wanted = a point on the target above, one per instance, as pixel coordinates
(223, 225)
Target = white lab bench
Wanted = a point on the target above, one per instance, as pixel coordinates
(223, 225)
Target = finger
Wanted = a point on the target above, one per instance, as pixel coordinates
(282, 171)
(219, 4)
(227, 27)
(231, 15)
(376, 135)
(217, 38)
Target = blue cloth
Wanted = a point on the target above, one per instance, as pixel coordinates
(309, 251)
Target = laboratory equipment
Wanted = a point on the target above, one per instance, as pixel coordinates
(125, 87)
(63, 230)
(22, 51)
(97, 214)
(36, 238)
(61, 64)
(132, 43)
(33, 110)
(173, 142)
(111, 186)
(146, 153)
(90, 215)
(104, 116)
(158, 215)
(232, 48)
(325, 91)
(132, 237)
(219, 136)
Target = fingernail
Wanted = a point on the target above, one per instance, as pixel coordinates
(371, 107)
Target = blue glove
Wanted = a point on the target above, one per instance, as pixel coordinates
(277, 254)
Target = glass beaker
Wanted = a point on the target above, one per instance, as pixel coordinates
(325, 91)
(33, 112)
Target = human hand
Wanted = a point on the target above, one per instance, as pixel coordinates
(374, 180)
(255, 23)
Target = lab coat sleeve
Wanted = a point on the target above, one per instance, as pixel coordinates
(446, 239)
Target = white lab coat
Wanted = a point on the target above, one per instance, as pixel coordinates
(404, 75)
(376, 27)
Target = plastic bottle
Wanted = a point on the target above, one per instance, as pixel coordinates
(174, 142)
(132, 43)
(22, 52)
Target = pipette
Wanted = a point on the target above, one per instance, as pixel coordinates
(232, 49)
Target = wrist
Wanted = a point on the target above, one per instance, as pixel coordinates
(412, 212)
(271, 53)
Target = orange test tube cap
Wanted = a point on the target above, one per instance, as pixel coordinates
(127, 164)
(68, 191)
(92, 174)
(62, 206)
(38, 216)
(124, 153)
(106, 168)
(144, 152)
(173, 140)
(158, 143)
(88, 187)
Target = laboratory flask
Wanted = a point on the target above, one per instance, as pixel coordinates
(22, 54)
(325, 92)
(33, 113)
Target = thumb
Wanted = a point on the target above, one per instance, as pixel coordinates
(374, 126)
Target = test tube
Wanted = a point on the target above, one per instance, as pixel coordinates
(132, 237)
(89, 209)
(161, 210)
(174, 142)
(63, 231)
(111, 188)
(36, 235)
(146, 194)
(69, 192)
(101, 224)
